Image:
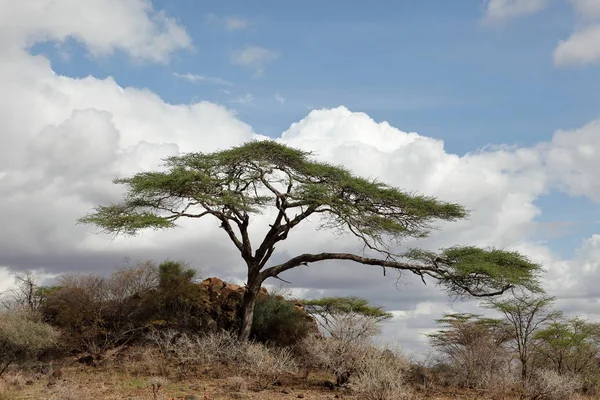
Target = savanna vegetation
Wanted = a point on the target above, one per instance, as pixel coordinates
(158, 330)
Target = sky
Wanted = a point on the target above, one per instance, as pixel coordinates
(493, 104)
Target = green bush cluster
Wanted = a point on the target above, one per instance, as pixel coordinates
(278, 321)
(22, 339)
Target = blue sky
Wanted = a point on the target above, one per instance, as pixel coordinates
(431, 67)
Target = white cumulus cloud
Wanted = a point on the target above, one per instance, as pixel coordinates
(583, 47)
(131, 26)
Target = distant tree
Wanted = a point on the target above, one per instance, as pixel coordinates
(527, 314)
(27, 296)
(570, 346)
(475, 346)
(347, 318)
(233, 185)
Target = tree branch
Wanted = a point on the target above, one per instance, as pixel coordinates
(435, 271)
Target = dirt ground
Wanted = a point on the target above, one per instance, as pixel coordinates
(83, 383)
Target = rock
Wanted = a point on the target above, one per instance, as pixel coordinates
(221, 303)
(300, 396)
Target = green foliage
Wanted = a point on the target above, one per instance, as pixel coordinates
(175, 275)
(177, 301)
(23, 339)
(461, 330)
(527, 314)
(571, 346)
(479, 272)
(347, 319)
(475, 347)
(278, 321)
(249, 178)
(345, 305)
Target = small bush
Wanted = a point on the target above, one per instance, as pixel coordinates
(278, 321)
(381, 376)
(236, 384)
(266, 365)
(339, 357)
(64, 393)
(144, 361)
(550, 385)
(188, 351)
(22, 339)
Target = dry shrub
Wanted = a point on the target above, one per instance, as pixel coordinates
(549, 385)
(222, 347)
(266, 365)
(189, 350)
(165, 341)
(236, 384)
(186, 353)
(60, 392)
(339, 357)
(4, 391)
(157, 383)
(381, 375)
(499, 383)
(16, 380)
(144, 361)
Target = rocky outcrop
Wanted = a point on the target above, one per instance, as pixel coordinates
(222, 301)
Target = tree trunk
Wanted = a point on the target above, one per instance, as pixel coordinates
(524, 372)
(248, 304)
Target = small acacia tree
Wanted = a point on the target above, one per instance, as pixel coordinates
(570, 346)
(235, 184)
(475, 347)
(526, 314)
(347, 318)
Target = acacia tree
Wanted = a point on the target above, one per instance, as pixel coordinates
(570, 346)
(347, 318)
(527, 314)
(475, 346)
(235, 184)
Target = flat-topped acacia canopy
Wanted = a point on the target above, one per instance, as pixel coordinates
(235, 184)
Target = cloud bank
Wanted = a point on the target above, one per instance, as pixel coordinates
(65, 139)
